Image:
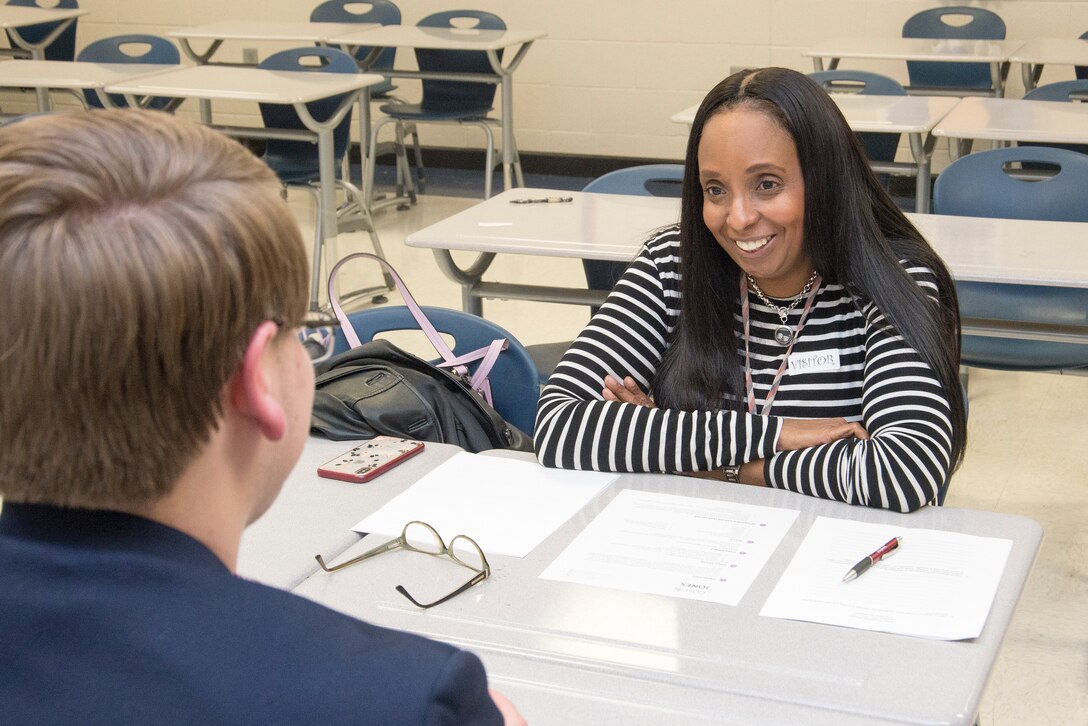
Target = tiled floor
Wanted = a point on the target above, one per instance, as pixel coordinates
(1028, 455)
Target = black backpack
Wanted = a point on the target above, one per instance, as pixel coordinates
(379, 389)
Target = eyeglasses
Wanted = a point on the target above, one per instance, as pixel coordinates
(462, 550)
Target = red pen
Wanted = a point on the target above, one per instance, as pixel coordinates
(889, 547)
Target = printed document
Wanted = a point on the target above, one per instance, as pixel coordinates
(664, 544)
(507, 505)
(936, 585)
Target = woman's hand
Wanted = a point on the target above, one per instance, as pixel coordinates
(803, 433)
(626, 392)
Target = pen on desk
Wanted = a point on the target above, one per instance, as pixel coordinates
(543, 200)
(889, 547)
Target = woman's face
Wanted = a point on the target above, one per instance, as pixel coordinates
(754, 198)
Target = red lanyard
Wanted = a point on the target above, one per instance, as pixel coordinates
(750, 388)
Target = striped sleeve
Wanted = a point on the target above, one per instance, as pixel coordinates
(577, 429)
(906, 412)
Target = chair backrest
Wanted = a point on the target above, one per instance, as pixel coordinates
(979, 185)
(1065, 91)
(1082, 71)
(443, 96)
(298, 159)
(514, 378)
(934, 23)
(878, 147)
(64, 47)
(382, 12)
(648, 180)
(131, 48)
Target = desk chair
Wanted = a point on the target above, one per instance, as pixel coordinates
(878, 147)
(63, 47)
(383, 12)
(980, 185)
(934, 23)
(1065, 91)
(296, 163)
(132, 48)
(649, 180)
(451, 102)
(514, 387)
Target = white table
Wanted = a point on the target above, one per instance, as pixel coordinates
(574, 654)
(287, 31)
(13, 17)
(614, 227)
(996, 53)
(912, 115)
(488, 41)
(296, 88)
(73, 75)
(1034, 54)
(1009, 119)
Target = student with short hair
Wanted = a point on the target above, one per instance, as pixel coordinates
(794, 330)
(155, 397)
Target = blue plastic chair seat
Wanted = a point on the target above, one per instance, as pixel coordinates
(411, 111)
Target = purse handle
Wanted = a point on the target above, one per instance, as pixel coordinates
(457, 363)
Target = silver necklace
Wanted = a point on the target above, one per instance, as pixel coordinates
(783, 334)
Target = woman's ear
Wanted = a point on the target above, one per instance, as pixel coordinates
(251, 393)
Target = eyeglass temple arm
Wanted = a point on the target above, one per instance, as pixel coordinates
(480, 577)
(390, 545)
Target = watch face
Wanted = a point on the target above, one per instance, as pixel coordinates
(731, 474)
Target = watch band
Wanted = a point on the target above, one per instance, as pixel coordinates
(731, 474)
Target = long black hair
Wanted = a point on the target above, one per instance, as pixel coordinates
(854, 234)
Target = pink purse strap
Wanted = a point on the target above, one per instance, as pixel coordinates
(457, 363)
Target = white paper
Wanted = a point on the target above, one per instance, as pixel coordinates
(700, 549)
(937, 584)
(507, 506)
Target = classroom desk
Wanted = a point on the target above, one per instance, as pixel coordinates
(1013, 119)
(302, 32)
(73, 75)
(258, 85)
(13, 17)
(914, 116)
(567, 653)
(1034, 54)
(996, 53)
(488, 41)
(614, 226)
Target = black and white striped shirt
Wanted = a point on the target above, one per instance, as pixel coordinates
(880, 380)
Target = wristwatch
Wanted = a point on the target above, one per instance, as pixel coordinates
(731, 474)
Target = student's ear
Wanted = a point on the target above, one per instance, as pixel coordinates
(250, 390)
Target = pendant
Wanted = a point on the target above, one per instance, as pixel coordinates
(783, 335)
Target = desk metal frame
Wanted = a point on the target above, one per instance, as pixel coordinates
(13, 17)
(488, 41)
(996, 53)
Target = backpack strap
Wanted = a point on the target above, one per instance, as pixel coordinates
(457, 363)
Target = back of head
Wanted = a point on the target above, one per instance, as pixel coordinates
(138, 254)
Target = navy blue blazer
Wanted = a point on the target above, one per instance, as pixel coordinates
(108, 618)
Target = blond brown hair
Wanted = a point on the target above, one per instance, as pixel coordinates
(138, 254)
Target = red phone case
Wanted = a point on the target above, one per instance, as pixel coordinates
(371, 459)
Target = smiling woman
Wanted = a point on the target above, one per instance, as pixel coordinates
(794, 330)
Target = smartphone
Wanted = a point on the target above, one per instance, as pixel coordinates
(368, 460)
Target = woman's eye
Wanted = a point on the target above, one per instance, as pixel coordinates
(712, 190)
(767, 185)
